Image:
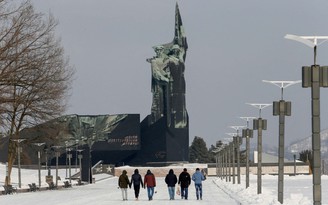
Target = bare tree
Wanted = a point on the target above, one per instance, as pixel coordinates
(35, 76)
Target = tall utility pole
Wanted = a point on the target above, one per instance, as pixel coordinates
(315, 77)
(248, 134)
(281, 108)
(238, 143)
(259, 125)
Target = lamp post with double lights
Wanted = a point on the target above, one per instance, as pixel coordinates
(259, 125)
(315, 77)
(281, 108)
(248, 134)
(19, 150)
(39, 160)
(238, 143)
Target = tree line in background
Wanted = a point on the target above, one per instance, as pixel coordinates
(35, 75)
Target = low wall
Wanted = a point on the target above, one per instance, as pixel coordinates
(160, 171)
(266, 169)
(211, 169)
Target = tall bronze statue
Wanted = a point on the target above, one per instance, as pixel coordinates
(168, 82)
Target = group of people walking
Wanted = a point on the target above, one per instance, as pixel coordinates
(149, 182)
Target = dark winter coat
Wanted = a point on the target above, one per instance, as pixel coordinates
(184, 179)
(171, 179)
(136, 179)
(149, 180)
(123, 180)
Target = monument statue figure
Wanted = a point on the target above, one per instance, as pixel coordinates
(168, 82)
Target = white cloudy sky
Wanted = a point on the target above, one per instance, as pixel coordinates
(233, 46)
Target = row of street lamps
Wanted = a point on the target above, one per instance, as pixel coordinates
(57, 155)
(314, 77)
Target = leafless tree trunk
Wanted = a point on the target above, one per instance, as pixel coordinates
(35, 76)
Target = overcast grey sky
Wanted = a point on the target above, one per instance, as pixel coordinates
(233, 46)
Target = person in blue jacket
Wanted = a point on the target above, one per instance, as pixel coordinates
(198, 177)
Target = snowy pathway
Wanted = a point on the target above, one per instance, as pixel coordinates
(105, 192)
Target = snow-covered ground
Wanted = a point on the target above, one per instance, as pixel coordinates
(297, 190)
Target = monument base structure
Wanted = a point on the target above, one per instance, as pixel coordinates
(161, 144)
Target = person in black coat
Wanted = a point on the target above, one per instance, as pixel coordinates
(136, 180)
(171, 180)
(184, 181)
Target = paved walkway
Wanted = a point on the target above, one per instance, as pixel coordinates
(105, 192)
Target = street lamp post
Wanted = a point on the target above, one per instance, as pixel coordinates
(69, 156)
(76, 154)
(66, 158)
(232, 155)
(281, 108)
(19, 150)
(39, 160)
(57, 155)
(238, 143)
(226, 161)
(247, 133)
(222, 163)
(217, 163)
(46, 157)
(315, 77)
(229, 161)
(233, 158)
(80, 162)
(259, 125)
(224, 168)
